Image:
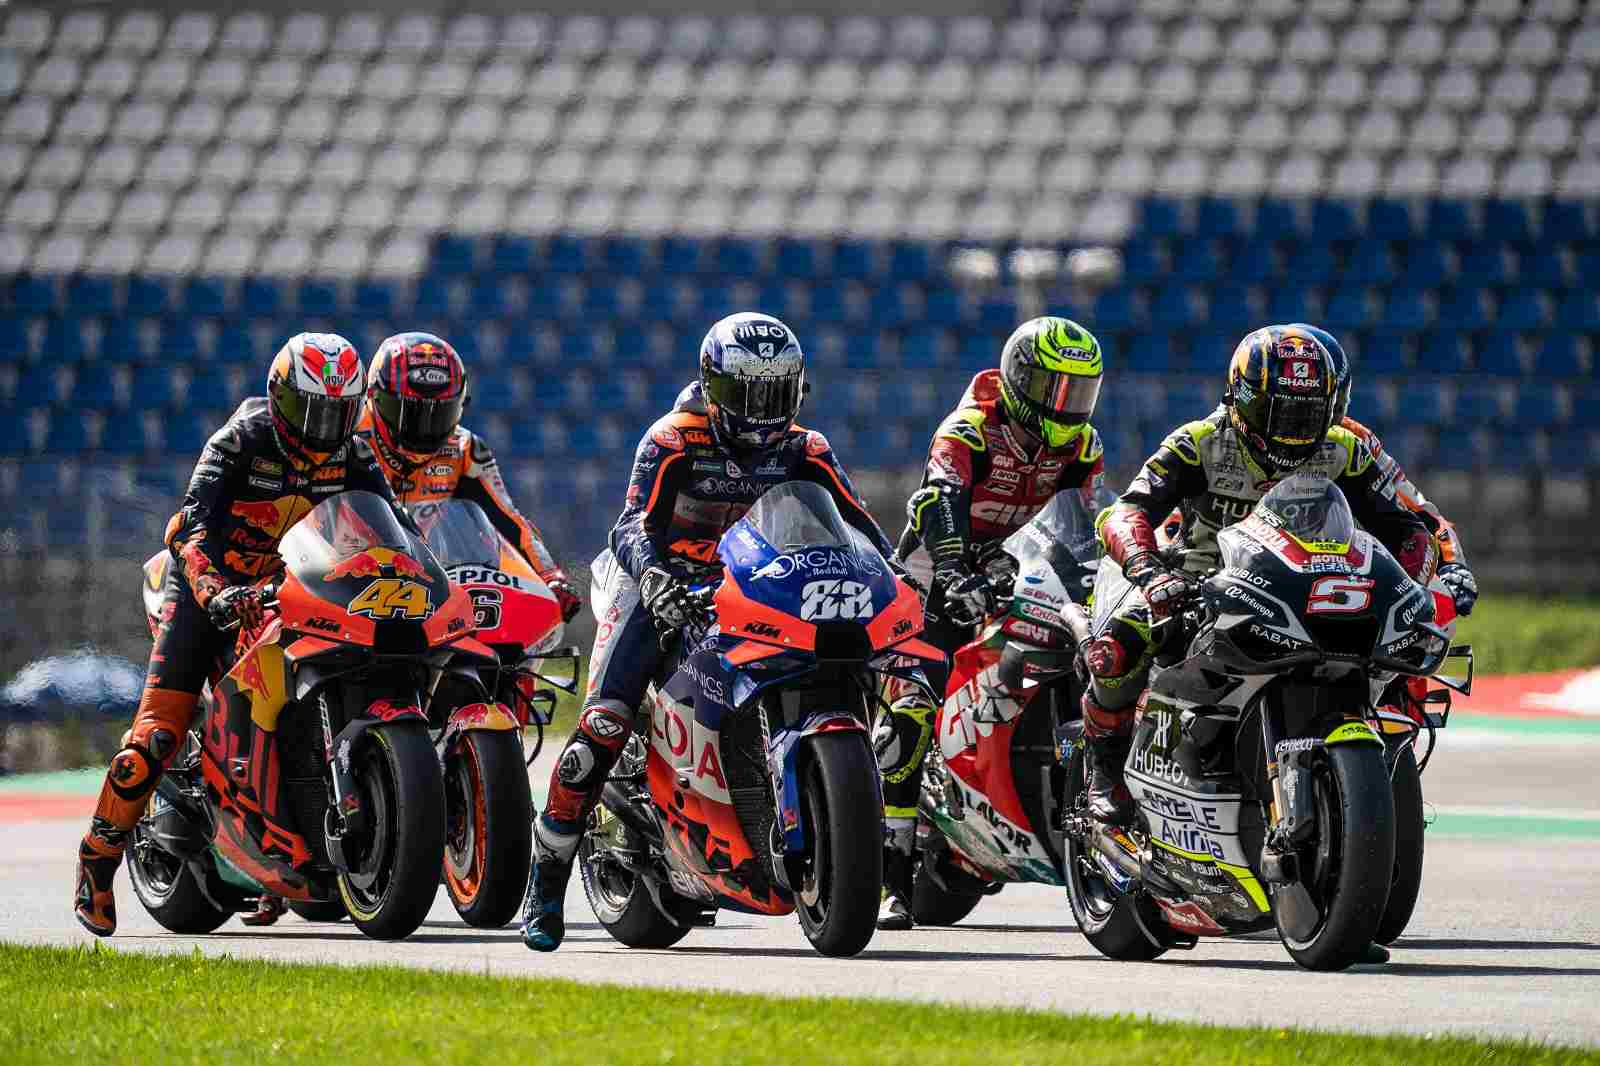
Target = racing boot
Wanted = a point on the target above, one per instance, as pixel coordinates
(268, 910)
(99, 855)
(899, 873)
(543, 922)
(1106, 743)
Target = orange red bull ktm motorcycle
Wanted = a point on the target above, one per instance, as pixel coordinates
(312, 776)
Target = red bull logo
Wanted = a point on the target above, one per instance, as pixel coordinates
(269, 516)
(372, 562)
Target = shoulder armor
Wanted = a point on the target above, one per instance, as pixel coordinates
(965, 426)
(1184, 442)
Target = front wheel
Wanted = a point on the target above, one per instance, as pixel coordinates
(168, 888)
(394, 871)
(489, 835)
(1347, 867)
(843, 875)
(1406, 884)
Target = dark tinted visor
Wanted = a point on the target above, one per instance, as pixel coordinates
(323, 423)
(760, 399)
(1055, 395)
(418, 425)
(1298, 420)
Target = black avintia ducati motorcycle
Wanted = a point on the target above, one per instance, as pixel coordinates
(1259, 776)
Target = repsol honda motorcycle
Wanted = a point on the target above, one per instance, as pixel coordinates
(480, 710)
(1259, 775)
(990, 811)
(312, 777)
(751, 784)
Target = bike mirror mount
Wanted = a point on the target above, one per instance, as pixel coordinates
(1462, 685)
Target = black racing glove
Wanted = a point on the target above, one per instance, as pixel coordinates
(1165, 590)
(235, 604)
(968, 599)
(1461, 585)
(670, 601)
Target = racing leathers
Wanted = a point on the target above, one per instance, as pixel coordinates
(984, 479)
(1202, 469)
(464, 468)
(686, 489)
(242, 498)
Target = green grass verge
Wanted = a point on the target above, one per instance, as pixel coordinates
(1523, 635)
(88, 1005)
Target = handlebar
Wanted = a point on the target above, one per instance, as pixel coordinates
(266, 595)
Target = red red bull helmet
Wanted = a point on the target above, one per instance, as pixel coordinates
(417, 388)
(314, 387)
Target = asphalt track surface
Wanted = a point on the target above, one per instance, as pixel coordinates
(1506, 941)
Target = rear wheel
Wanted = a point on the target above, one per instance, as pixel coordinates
(608, 860)
(843, 870)
(316, 910)
(1406, 885)
(394, 872)
(489, 834)
(1346, 869)
(933, 903)
(168, 888)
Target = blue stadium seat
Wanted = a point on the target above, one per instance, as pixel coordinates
(740, 259)
(862, 350)
(63, 339)
(1191, 399)
(911, 261)
(1506, 220)
(1421, 402)
(1443, 351)
(1369, 263)
(186, 432)
(1216, 217)
(1333, 220)
(854, 260)
(431, 299)
(125, 435)
(680, 255)
(1484, 263)
(715, 302)
(152, 388)
(179, 343)
(601, 298)
(205, 296)
(1210, 349)
(209, 389)
(1463, 307)
(260, 297)
(95, 389)
(1378, 352)
(91, 294)
(1277, 219)
(236, 343)
(317, 297)
(1544, 268)
(373, 297)
(1287, 303)
(120, 342)
(997, 314)
(1114, 309)
(1230, 310)
(1309, 263)
(796, 258)
(1538, 405)
(68, 434)
(829, 302)
(146, 296)
(1586, 406)
(1566, 220)
(1424, 264)
(1142, 260)
(1254, 263)
(1477, 404)
(13, 337)
(566, 254)
(890, 306)
(1171, 308)
(15, 437)
(512, 255)
(924, 349)
(1558, 356)
(451, 255)
(577, 346)
(982, 349)
(1149, 353)
(1160, 217)
(1448, 220)
(1405, 309)
(942, 306)
(1347, 308)
(486, 297)
(33, 294)
(1521, 309)
(1390, 220)
(1196, 261)
(1499, 354)
(626, 256)
(1579, 309)
(40, 385)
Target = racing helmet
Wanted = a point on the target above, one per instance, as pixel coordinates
(1280, 397)
(1050, 375)
(417, 389)
(1343, 378)
(314, 390)
(753, 378)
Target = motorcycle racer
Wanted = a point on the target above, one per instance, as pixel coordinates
(274, 460)
(416, 391)
(1020, 435)
(731, 436)
(1277, 418)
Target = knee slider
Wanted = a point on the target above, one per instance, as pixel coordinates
(134, 772)
(584, 763)
(604, 727)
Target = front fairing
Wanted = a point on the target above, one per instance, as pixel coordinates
(514, 609)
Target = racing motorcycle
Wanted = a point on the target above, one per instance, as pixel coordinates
(312, 776)
(750, 783)
(1257, 765)
(480, 710)
(990, 810)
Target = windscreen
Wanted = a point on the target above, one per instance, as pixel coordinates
(1310, 508)
(800, 514)
(1067, 523)
(353, 534)
(458, 533)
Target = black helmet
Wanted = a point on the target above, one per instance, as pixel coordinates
(1343, 378)
(1280, 397)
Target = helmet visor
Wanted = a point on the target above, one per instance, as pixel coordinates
(321, 423)
(1297, 421)
(418, 425)
(1055, 395)
(756, 399)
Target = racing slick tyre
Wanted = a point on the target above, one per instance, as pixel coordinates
(933, 903)
(842, 880)
(1404, 889)
(617, 892)
(314, 910)
(394, 865)
(1346, 868)
(489, 827)
(168, 888)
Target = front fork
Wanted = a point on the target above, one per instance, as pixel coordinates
(346, 814)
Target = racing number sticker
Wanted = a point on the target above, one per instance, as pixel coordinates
(390, 597)
(486, 607)
(1340, 595)
(825, 601)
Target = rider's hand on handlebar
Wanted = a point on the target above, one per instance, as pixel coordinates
(236, 604)
(670, 600)
(1462, 586)
(968, 598)
(1165, 590)
(566, 594)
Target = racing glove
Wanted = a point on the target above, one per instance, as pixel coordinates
(670, 601)
(1165, 590)
(235, 603)
(968, 599)
(1462, 586)
(566, 594)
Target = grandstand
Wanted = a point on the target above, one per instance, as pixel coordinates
(573, 199)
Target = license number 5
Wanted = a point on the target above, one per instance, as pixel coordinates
(1340, 595)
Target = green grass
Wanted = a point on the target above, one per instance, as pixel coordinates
(98, 1006)
(1522, 635)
